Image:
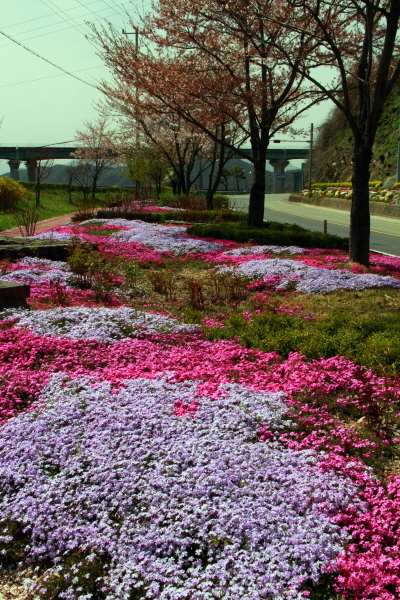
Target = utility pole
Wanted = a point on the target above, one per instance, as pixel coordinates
(136, 34)
(310, 159)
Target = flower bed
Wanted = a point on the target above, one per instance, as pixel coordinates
(140, 460)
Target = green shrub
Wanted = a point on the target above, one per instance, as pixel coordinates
(30, 185)
(166, 195)
(206, 216)
(221, 201)
(286, 235)
(11, 193)
(345, 184)
(370, 342)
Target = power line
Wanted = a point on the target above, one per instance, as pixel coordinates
(33, 37)
(61, 12)
(56, 23)
(45, 16)
(48, 61)
(48, 77)
(106, 3)
(62, 28)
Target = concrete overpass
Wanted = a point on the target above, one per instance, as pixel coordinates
(279, 158)
(31, 155)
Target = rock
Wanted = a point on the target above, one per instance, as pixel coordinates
(15, 248)
(389, 183)
(13, 295)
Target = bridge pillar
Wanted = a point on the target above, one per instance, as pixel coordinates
(14, 169)
(31, 165)
(279, 169)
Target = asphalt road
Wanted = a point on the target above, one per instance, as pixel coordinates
(385, 233)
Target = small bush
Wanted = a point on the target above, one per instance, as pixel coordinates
(11, 193)
(198, 202)
(91, 270)
(286, 235)
(26, 218)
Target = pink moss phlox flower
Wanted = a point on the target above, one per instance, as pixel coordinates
(370, 566)
(212, 322)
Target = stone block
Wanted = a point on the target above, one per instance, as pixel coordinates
(13, 295)
(15, 248)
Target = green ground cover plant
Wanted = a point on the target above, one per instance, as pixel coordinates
(272, 233)
(363, 326)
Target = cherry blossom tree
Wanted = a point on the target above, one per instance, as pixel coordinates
(358, 41)
(207, 65)
(187, 149)
(98, 149)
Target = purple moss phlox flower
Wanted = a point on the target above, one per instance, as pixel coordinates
(107, 325)
(38, 270)
(264, 249)
(188, 507)
(311, 280)
(164, 238)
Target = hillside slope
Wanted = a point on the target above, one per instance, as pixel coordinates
(333, 147)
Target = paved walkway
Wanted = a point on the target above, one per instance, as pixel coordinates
(41, 226)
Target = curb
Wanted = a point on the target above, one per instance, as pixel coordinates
(378, 209)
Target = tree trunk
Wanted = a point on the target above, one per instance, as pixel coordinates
(213, 187)
(182, 180)
(359, 216)
(94, 185)
(257, 194)
(37, 194)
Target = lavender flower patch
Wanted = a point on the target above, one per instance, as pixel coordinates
(310, 280)
(117, 222)
(160, 237)
(187, 507)
(39, 270)
(54, 235)
(164, 238)
(137, 206)
(106, 325)
(265, 249)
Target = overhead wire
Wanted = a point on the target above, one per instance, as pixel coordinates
(45, 16)
(67, 19)
(57, 23)
(48, 61)
(25, 39)
(49, 77)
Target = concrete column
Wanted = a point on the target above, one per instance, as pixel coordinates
(31, 165)
(14, 169)
(279, 168)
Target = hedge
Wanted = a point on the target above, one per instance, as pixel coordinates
(30, 185)
(345, 184)
(283, 235)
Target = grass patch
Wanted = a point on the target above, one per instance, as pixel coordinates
(362, 326)
(53, 203)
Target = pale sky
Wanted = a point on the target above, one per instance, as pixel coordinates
(40, 104)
